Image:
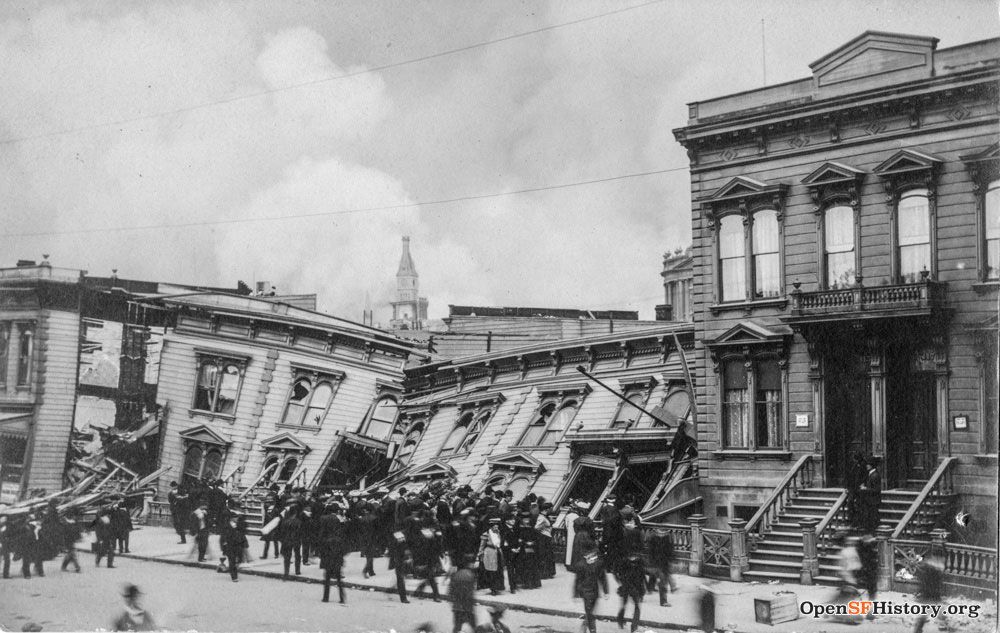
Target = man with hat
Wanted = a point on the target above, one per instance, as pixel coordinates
(612, 536)
(105, 536)
(178, 499)
(528, 570)
(134, 617)
(200, 529)
(332, 548)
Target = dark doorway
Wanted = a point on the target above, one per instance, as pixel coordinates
(847, 422)
(911, 414)
(638, 482)
(589, 484)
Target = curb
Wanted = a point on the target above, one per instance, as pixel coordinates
(421, 596)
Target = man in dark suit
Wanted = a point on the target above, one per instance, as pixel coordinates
(290, 535)
(179, 509)
(332, 548)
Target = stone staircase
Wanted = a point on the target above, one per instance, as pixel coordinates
(778, 556)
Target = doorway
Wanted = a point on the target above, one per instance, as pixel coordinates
(911, 415)
(847, 419)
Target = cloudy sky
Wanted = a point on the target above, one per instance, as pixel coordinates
(207, 120)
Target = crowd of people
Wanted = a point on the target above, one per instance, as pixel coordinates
(43, 534)
(485, 540)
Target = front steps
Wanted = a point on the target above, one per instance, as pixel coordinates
(778, 556)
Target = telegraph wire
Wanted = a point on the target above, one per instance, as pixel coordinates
(319, 214)
(391, 65)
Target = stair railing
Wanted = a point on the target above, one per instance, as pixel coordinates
(835, 518)
(939, 484)
(800, 476)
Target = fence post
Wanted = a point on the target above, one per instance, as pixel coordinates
(886, 559)
(738, 548)
(810, 560)
(938, 538)
(697, 544)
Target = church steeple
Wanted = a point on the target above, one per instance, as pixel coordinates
(409, 310)
(406, 267)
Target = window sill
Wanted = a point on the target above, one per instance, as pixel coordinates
(749, 306)
(296, 427)
(226, 417)
(529, 449)
(776, 454)
(986, 457)
(984, 287)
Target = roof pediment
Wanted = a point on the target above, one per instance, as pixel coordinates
(906, 161)
(744, 187)
(205, 435)
(990, 153)
(434, 469)
(516, 460)
(875, 53)
(832, 172)
(749, 332)
(285, 442)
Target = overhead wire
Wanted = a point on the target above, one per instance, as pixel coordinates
(318, 214)
(312, 82)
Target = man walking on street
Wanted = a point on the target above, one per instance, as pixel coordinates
(104, 533)
(200, 529)
(178, 500)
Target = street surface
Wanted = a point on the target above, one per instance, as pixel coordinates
(187, 598)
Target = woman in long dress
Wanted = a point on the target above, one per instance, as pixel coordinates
(491, 557)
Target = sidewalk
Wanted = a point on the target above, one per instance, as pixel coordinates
(734, 601)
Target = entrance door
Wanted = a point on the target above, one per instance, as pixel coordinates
(911, 429)
(847, 411)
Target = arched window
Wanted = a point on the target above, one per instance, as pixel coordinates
(307, 404)
(212, 467)
(991, 207)
(559, 423)
(271, 468)
(628, 412)
(732, 251)
(474, 432)
(382, 420)
(677, 408)
(838, 246)
(296, 407)
(456, 436)
(410, 444)
(192, 462)
(519, 486)
(913, 229)
(25, 349)
(288, 470)
(766, 258)
(536, 428)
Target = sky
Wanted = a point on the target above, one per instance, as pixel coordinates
(208, 120)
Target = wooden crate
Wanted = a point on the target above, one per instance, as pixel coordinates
(780, 607)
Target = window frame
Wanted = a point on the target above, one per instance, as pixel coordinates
(987, 359)
(25, 361)
(750, 359)
(906, 170)
(205, 449)
(984, 238)
(747, 206)
(834, 202)
(315, 379)
(897, 259)
(983, 168)
(221, 363)
(561, 397)
(5, 329)
(367, 423)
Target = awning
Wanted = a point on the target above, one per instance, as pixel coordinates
(15, 425)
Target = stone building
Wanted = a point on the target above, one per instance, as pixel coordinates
(846, 255)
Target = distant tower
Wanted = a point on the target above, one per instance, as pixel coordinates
(409, 310)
